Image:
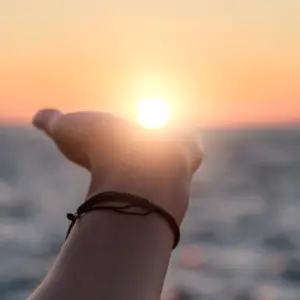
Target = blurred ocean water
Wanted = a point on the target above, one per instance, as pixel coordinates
(240, 238)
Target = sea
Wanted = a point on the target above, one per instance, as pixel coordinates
(240, 238)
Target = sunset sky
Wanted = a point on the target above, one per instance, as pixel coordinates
(216, 62)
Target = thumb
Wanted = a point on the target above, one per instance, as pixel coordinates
(45, 120)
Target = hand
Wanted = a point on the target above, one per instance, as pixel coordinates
(124, 157)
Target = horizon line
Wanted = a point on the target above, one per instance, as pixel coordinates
(237, 125)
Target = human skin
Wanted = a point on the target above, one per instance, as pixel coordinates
(109, 255)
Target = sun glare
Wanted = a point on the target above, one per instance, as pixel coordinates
(153, 113)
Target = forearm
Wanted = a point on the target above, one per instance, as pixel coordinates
(110, 256)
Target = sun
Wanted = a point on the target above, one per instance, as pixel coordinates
(153, 113)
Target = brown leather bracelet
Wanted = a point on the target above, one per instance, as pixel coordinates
(133, 205)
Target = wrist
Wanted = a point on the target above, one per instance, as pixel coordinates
(171, 194)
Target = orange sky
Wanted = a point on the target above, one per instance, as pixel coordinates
(215, 61)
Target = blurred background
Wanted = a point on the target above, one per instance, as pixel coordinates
(231, 68)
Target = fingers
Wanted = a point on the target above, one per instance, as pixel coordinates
(190, 141)
(45, 120)
(194, 146)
